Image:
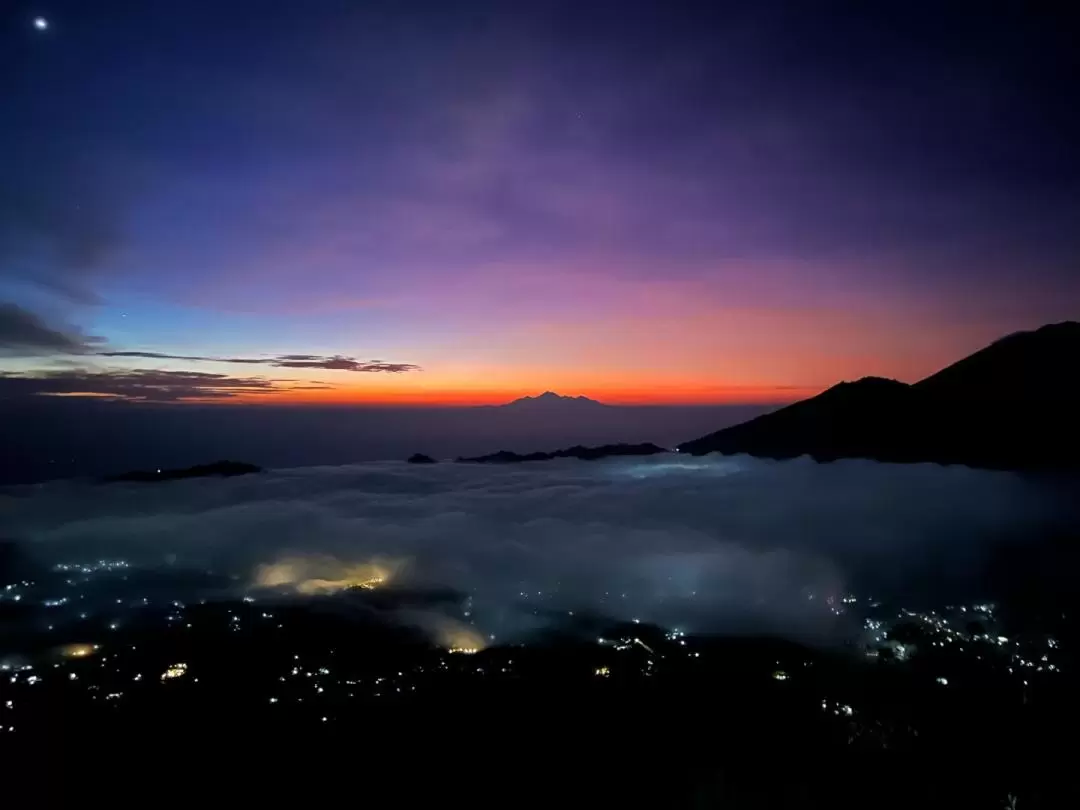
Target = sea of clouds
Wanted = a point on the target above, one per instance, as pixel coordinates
(709, 544)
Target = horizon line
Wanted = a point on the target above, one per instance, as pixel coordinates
(464, 403)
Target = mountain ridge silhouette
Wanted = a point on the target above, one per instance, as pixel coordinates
(1009, 405)
(550, 400)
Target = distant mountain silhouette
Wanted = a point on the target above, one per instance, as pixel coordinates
(549, 400)
(420, 458)
(220, 468)
(1014, 405)
(584, 453)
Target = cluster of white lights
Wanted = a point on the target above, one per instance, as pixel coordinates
(838, 709)
(174, 671)
(93, 567)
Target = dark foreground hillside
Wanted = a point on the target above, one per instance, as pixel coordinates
(274, 696)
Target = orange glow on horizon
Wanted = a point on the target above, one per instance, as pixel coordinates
(652, 396)
(642, 343)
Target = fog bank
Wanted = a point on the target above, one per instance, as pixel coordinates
(708, 543)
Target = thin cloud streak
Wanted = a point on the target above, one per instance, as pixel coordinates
(336, 362)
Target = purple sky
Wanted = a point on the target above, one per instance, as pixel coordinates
(663, 202)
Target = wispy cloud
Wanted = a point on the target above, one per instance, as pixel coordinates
(60, 204)
(332, 363)
(25, 334)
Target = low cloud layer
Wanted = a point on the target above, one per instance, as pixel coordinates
(708, 544)
(24, 334)
(140, 385)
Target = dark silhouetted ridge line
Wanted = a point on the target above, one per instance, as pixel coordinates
(1012, 405)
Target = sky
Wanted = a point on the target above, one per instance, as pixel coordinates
(428, 203)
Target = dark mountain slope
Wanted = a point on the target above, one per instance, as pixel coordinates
(1014, 404)
(848, 419)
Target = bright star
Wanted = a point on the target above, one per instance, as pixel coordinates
(41, 24)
